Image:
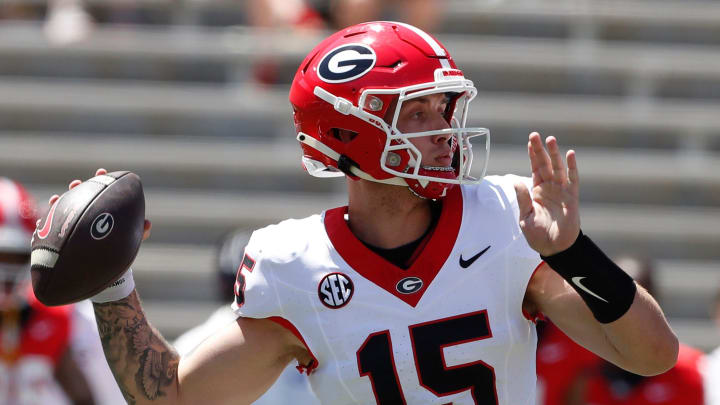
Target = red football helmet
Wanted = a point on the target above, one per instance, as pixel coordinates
(350, 83)
(17, 223)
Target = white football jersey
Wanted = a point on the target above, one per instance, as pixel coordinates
(449, 329)
(711, 376)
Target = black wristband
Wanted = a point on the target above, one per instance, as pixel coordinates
(606, 289)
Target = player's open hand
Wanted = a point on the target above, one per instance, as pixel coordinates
(98, 172)
(550, 220)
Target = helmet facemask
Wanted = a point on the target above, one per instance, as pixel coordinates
(400, 157)
(418, 176)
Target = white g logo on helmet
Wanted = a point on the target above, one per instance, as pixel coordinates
(346, 62)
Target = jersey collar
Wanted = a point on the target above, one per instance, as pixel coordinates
(385, 274)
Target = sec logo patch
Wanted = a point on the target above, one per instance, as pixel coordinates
(346, 62)
(335, 290)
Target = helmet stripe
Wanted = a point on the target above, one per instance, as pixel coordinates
(437, 48)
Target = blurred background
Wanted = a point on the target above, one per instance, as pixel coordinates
(192, 96)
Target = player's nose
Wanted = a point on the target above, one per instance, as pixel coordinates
(439, 123)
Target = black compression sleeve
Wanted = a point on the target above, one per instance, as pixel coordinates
(606, 289)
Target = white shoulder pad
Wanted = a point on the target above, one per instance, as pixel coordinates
(496, 190)
(496, 196)
(271, 252)
(504, 188)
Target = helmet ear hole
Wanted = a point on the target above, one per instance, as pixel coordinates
(343, 135)
(452, 98)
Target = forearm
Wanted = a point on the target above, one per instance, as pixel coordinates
(640, 341)
(143, 363)
(631, 323)
(644, 341)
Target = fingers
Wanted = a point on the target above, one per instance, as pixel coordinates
(74, 184)
(524, 200)
(147, 226)
(547, 164)
(539, 159)
(573, 175)
(537, 179)
(558, 167)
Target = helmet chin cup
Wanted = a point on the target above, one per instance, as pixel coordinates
(431, 189)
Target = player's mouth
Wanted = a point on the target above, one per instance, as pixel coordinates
(444, 160)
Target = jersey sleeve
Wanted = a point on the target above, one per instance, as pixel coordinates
(524, 248)
(255, 295)
(258, 287)
(506, 186)
(523, 259)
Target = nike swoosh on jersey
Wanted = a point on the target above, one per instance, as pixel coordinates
(466, 263)
(576, 281)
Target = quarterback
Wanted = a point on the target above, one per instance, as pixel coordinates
(424, 288)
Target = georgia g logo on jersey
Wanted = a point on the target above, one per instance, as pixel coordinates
(335, 290)
(409, 285)
(346, 62)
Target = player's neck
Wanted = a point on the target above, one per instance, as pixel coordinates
(386, 216)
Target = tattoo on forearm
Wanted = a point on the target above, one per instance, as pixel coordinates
(144, 364)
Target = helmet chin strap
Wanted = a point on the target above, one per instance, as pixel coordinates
(422, 188)
(327, 151)
(426, 188)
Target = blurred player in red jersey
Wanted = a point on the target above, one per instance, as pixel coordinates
(610, 385)
(35, 353)
(422, 289)
(712, 369)
(559, 361)
(568, 374)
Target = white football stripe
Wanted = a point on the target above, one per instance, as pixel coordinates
(44, 257)
(103, 179)
(439, 51)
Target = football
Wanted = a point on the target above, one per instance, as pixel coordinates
(88, 239)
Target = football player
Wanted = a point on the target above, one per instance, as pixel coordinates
(712, 370)
(36, 361)
(424, 288)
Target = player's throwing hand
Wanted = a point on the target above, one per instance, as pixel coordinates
(550, 219)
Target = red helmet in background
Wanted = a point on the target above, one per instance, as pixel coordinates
(347, 95)
(18, 214)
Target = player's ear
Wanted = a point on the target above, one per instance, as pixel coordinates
(343, 135)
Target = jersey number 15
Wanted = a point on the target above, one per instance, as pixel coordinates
(375, 360)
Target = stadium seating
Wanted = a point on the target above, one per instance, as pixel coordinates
(633, 85)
